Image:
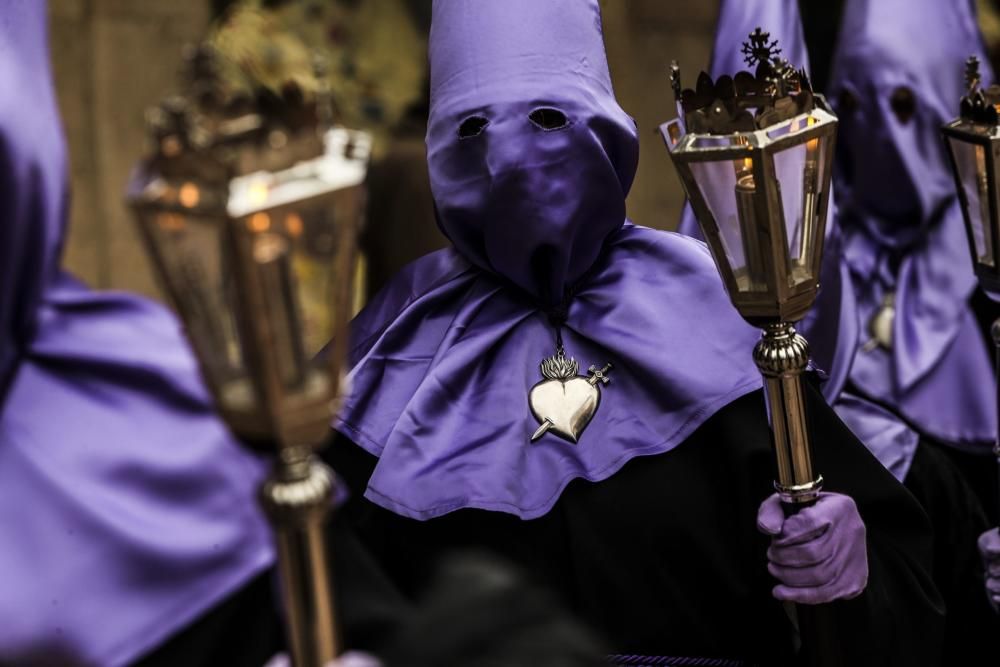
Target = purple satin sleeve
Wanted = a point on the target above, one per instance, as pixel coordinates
(892, 442)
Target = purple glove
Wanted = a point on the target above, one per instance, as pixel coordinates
(351, 659)
(989, 548)
(818, 554)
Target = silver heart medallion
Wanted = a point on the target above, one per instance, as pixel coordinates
(881, 325)
(565, 402)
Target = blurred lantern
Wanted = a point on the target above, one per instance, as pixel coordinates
(974, 146)
(250, 210)
(754, 154)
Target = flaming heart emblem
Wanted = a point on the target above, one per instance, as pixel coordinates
(565, 402)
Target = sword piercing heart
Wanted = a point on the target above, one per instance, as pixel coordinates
(565, 402)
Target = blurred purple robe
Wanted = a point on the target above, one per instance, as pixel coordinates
(127, 510)
(900, 218)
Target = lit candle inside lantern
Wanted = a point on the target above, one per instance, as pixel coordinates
(189, 195)
(272, 255)
(984, 240)
(746, 212)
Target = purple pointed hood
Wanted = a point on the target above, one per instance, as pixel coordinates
(530, 159)
(522, 111)
(128, 508)
(892, 95)
(899, 215)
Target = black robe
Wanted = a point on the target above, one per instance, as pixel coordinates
(664, 558)
(957, 520)
(982, 470)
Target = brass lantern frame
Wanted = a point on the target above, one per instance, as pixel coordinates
(781, 298)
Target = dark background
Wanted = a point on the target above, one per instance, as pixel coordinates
(115, 58)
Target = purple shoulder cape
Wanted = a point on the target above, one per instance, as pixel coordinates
(445, 356)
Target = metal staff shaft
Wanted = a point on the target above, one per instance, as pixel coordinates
(297, 498)
(781, 356)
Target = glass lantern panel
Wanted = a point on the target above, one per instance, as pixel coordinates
(302, 269)
(970, 159)
(800, 178)
(728, 189)
(195, 256)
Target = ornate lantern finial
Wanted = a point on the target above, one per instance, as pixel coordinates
(746, 101)
(758, 49)
(972, 77)
(978, 105)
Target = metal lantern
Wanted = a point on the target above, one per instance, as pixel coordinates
(759, 187)
(973, 141)
(754, 154)
(250, 212)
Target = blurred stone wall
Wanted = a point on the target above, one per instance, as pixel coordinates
(115, 58)
(112, 60)
(642, 37)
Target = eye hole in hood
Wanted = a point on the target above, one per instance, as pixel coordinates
(472, 126)
(548, 118)
(903, 104)
(847, 103)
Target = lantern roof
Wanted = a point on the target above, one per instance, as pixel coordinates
(235, 131)
(747, 101)
(979, 105)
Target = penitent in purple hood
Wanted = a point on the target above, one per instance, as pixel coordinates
(531, 159)
(128, 509)
(904, 241)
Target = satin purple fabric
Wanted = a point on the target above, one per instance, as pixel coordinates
(900, 217)
(127, 508)
(526, 202)
(892, 442)
(445, 356)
